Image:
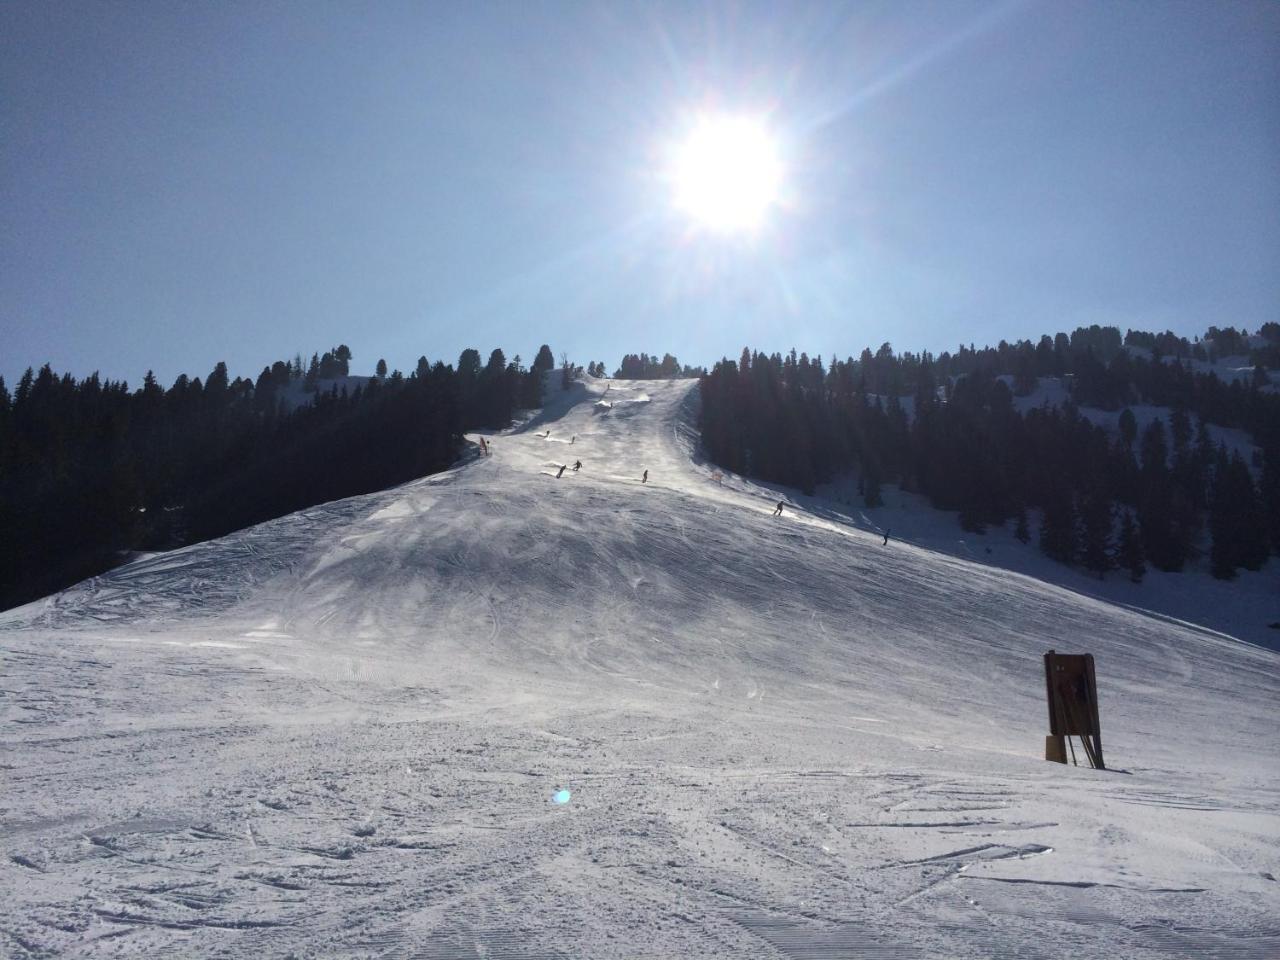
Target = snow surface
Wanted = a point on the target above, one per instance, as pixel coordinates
(343, 733)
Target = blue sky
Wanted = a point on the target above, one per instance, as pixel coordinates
(188, 183)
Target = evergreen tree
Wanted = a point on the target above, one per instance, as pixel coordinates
(1237, 522)
(1021, 530)
(1129, 554)
(533, 381)
(1223, 522)
(342, 354)
(1251, 517)
(1128, 427)
(1058, 536)
(544, 362)
(871, 486)
(381, 369)
(469, 365)
(1270, 492)
(1096, 518)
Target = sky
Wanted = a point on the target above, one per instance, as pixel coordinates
(188, 183)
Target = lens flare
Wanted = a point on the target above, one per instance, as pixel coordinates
(560, 796)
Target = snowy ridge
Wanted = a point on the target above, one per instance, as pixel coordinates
(338, 733)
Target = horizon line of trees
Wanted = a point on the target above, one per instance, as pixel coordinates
(91, 470)
(641, 366)
(1105, 502)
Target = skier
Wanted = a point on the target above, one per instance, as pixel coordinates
(573, 439)
(562, 469)
(645, 478)
(886, 538)
(577, 466)
(484, 447)
(778, 512)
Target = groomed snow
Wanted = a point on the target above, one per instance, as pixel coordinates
(340, 733)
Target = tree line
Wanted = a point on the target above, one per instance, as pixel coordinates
(641, 366)
(948, 427)
(91, 470)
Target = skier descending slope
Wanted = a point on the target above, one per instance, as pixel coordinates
(577, 465)
(645, 478)
(562, 469)
(778, 512)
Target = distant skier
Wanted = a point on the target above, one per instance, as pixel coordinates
(547, 434)
(573, 439)
(484, 447)
(886, 538)
(778, 512)
(577, 466)
(562, 469)
(645, 478)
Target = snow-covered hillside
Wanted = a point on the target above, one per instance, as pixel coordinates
(340, 733)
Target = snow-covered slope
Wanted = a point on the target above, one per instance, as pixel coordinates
(340, 734)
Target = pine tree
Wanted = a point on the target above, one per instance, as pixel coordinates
(381, 369)
(1058, 536)
(469, 364)
(1129, 549)
(871, 486)
(1128, 427)
(971, 519)
(1270, 492)
(544, 362)
(1255, 539)
(1021, 530)
(1096, 519)
(1224, 546)
(342, 354)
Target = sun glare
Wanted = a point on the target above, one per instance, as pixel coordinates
(727, 173)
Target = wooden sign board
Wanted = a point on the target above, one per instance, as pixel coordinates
(1072, 691)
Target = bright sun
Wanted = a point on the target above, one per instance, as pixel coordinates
(727, 173)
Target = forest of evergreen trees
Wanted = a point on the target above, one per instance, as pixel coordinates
(947, 427)
(91, 470)
(641, 366)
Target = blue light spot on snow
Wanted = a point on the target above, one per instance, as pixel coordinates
(560, 796)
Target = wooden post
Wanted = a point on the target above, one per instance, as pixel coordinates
(1055, 749)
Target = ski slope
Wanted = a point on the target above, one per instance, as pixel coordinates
(339, 734)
